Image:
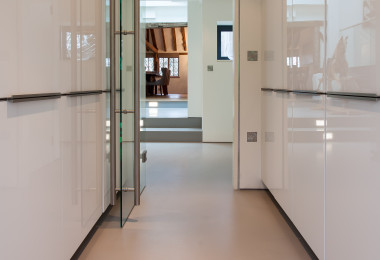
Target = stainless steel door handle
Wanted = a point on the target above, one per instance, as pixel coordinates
(124, 111)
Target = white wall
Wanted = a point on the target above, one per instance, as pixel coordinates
(247, 167)
(51, 151)
(164, 11)
(218, 84)
(195, 59)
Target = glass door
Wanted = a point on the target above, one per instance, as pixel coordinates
(129, 172)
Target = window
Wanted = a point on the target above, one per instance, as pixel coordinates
(170, 63)
(149, 64)
(225, 50)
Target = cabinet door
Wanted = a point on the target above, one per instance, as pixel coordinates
(307, 162)
(351, 46)
(352, 179)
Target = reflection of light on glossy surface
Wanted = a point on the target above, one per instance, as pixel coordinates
(107, 137)
(153, 104)
(320, 123)
(141, 123)
(153, 112)
(329, 136)
(108, 123)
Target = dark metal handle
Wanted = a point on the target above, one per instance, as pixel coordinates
(267, 89)
(282, 90)
(124, 111)
(350, 95)
(144, 156)
(84, 93)
(125, 32)
(308, 92)
(33, 97)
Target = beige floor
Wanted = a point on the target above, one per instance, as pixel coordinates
(190, 211)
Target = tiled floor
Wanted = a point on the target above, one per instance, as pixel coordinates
(190, 211)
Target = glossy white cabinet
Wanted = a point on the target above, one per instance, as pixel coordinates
(352, 179)
(52, 152)
(273, 39)
(293, 160)
(30, 189)
(351, 46)
(307, 162)
(325, 177)
(305, 44)
(275, 148)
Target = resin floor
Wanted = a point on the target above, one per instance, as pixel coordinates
(190, 211)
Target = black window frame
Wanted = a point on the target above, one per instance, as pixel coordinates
(220, 29)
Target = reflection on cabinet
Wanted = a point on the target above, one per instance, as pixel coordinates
(352, 179)
(293, 160)
(52, 169)
(51, 150)
(321, 154)
(351, 46)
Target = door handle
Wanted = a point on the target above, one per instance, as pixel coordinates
(124, 111)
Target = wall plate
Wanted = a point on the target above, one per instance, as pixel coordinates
(252, 137)
(252, 55)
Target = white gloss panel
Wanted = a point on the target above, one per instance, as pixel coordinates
(352, 179)
(352, 61)
(288, 45)
(273, 44)
(30, 189)
(51, 151)
(306, 53)
(307, 161)
(274, 174)
(328, 190)
(34, 46)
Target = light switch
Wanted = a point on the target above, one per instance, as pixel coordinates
(252, 137)
(210, 68)
(253, 56)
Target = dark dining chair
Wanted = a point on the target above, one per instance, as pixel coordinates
(163, 82)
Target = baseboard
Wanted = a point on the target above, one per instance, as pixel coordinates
(92, 232)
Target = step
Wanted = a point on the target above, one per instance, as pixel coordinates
(171, 135)
(188, 122)
(166, 104)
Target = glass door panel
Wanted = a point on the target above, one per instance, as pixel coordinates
(126, 77)
(130, 156)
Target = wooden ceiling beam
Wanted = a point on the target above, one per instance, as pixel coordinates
(163, 39)
(151, 47)
(153, 34)
(184, 38)
(147, 35)
(174, 39)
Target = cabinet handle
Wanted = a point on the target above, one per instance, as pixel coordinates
(282, 90)
(308, 92)
(33, 97)
(357, 96)
(83, 93)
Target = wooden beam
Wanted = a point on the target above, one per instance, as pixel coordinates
(174, 39)
(156, 63)
(154, 38)
(164, 40)
(151, 47)
(147, 35)
(184, 38)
